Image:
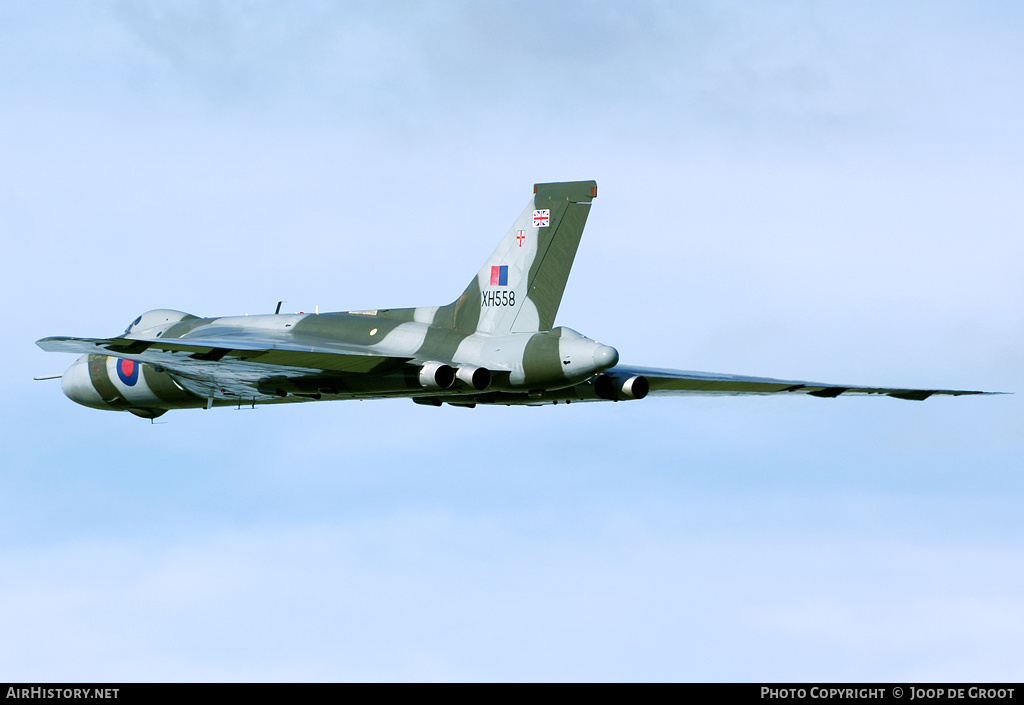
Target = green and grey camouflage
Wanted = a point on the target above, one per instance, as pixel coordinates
(495, 344)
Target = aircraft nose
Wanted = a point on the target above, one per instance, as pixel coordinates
(78, 387)
(605, 356)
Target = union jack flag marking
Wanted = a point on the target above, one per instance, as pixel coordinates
(541, 219)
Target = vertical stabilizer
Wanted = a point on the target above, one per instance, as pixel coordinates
(520, 286)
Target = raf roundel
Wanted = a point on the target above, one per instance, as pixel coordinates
(127, 371)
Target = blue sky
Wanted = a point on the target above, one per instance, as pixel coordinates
(801, 190)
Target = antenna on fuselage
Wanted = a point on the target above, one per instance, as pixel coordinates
(278, 307)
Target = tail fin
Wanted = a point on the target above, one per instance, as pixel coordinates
(520, 286)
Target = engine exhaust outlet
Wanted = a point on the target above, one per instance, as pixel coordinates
(437, 375)
(615, 388)
(479, 378)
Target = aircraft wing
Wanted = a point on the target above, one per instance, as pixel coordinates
(235, 366)
(679, 382)
(327, 356)
(251, 366)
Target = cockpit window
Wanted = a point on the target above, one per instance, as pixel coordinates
(132, 325)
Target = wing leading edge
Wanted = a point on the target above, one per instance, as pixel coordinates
(181, 350)
(236, 369)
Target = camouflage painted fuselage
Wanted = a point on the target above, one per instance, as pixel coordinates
(495, 341)
(398, 347)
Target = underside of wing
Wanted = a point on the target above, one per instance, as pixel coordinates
(622, 383)
(663, 382)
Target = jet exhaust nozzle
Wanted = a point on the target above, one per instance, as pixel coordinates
(437, 375)
(616, 388)
(479, 378)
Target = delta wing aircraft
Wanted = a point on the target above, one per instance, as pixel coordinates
(495, 344)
